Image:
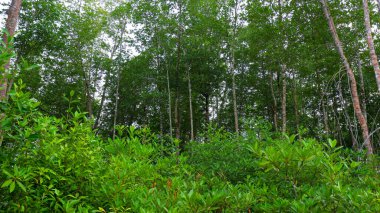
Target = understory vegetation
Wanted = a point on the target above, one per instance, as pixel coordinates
(189, 106)
(50, 164)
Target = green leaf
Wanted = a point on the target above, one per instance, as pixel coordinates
(354, 164)
(6, 123)
(72, 93)
(6, 183)
(332, 143)
(31, 67)
(12, 187)
(7, 173)
(292, 138)
(21, 186)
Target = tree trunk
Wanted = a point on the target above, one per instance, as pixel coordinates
(321, 91)
(347, 118)
(176, 107)
(87, 89)
(283, 100)
(103, 98)
(362, 88)
(223, 101)
(236, 118)
(338, 130)
(325, 116)
(10, 25)
(295, 99)
(217, 108)
(116, 106)
(275, 118)
(190, 106)
(233, 66)
(371, 46)
(355, 97)
(169, 103)
(107, 77)
(283, 72)
(207, 108)
(117, 88)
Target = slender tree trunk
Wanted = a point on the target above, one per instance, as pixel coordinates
(169, 103)
(10, 25)
(275, 118)
(236, 118)
(83, 68)
(283, 73)
(223, 100)
(295, 99)
(355, 143)
(371, 46)
(338, 129)
(378, 5)
(176, 107)
(176, 110)
(355, 97)
(217, 108)
(87, 89)
(325, 116)
(160, 99)
(207, 108)
(321, 90)
(190, 106)
(283, 100)
(362, 88)
(103, 98)
(233, 67)
(117, 89)
(116, 106)
(107, 77)
(324, 111)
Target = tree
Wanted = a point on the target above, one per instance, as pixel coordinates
(233, 64)
(10, 25)
(177, 71)
(371, 46)
(355, 97)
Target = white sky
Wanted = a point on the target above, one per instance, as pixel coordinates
(2, 14)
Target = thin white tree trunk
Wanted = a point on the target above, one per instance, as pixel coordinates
(190, 106)
(295, 99)
(169, 103)
(116, 106)
(103, 97)
(233, 67)
(176, 105)
(275, 118)
(283, 100)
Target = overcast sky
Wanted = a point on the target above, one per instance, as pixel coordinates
(2, 13)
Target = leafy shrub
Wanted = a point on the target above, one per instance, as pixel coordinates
(228, 159)
(60, 165)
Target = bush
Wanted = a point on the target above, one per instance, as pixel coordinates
(60, 165)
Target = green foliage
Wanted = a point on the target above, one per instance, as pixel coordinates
(60, 165)
(223, 155)
(130, 65)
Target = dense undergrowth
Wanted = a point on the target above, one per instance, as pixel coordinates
(61, 165)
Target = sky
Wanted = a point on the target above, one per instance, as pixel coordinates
(2, 13)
